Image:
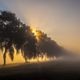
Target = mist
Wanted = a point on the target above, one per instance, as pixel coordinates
(59, 21)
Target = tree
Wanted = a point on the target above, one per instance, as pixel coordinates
(46, 45)
(30, 47)
(13, 33)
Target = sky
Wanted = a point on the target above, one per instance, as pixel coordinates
(60, 19)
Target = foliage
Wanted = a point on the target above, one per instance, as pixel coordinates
(14, 32)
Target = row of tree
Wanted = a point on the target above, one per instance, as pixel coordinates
(15, 34)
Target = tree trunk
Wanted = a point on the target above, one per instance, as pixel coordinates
(4, 56)
(26, 60)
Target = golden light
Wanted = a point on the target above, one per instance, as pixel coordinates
(36, 33)
(18, 58)
(41, 58)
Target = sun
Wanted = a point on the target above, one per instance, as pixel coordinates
(36, 33)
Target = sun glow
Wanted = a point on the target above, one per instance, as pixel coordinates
(41, 58)
(18, 58)
(36, 33)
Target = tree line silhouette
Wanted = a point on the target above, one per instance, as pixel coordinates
(15, 34)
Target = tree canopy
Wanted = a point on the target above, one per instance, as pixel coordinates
(47, 45)
(14, 33)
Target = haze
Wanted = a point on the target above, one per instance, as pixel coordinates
(60, 19)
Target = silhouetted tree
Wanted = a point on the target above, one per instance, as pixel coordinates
(45, 45)
(48, 46)
(14, 33)
(30, 47)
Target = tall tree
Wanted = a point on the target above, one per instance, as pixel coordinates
(14, 33)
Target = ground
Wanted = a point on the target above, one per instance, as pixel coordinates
(52, 70)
